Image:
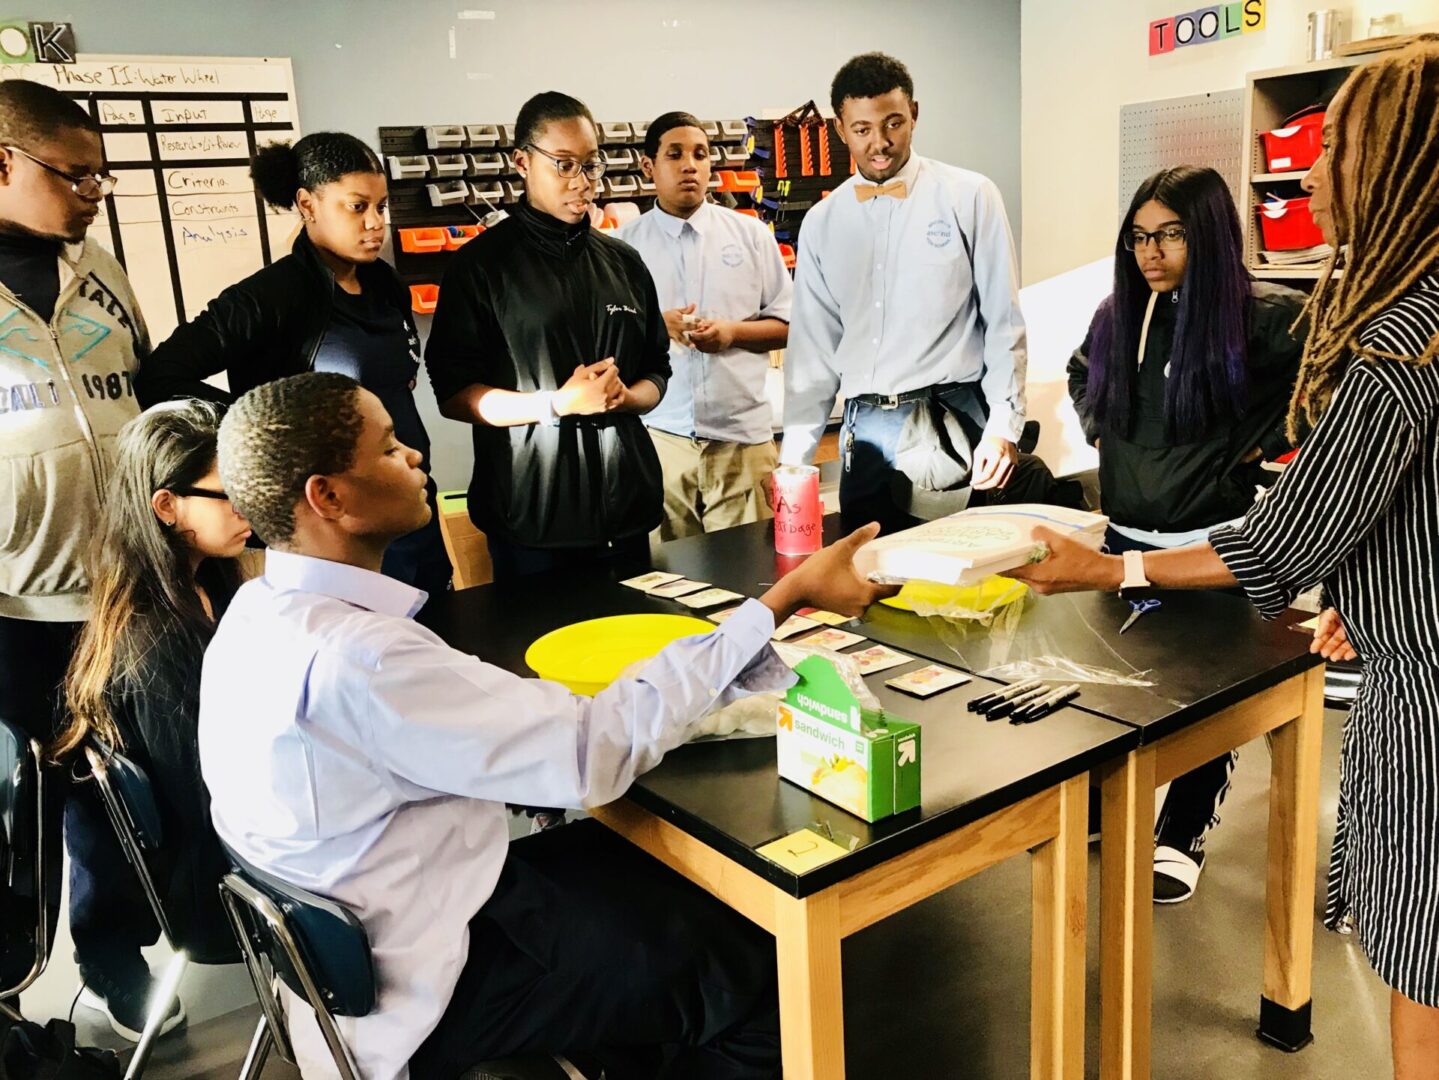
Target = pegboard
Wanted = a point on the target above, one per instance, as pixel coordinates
(1205, 129)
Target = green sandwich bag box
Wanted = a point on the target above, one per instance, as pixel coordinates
(854, 755)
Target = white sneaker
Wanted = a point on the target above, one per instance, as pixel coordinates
(1176, 873)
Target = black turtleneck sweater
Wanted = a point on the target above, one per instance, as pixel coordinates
(30, 269)
(520, 306)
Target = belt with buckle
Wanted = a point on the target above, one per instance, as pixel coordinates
(894, 401)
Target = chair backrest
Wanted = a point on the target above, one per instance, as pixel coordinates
(329, 941)
(130, 802)
(25, 854)
(467, 547)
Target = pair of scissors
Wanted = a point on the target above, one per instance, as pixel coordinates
(1140, 607)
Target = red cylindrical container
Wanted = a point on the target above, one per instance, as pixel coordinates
(798, 529)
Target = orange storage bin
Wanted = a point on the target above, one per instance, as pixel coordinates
(420, 241)
(786, 252)
(423, 298)
(1287, 225)
(457, 236)
(732, 180)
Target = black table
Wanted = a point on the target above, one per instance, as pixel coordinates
(1220, 676)
(989, 792)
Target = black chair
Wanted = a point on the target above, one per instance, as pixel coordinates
(319, 949)
(28, 865)
(130, 802)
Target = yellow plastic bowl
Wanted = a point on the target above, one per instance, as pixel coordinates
(588, 656)
(991, 594)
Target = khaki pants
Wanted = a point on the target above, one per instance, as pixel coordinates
(712, 485)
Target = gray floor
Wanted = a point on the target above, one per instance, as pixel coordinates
(941, 991)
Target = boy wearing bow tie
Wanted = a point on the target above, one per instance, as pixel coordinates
(907, 306)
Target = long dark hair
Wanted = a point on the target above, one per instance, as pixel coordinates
(141, 585)
(1208, 378)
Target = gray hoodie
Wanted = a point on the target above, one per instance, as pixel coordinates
(65, 392)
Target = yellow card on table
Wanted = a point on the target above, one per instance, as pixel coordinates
(801, 851)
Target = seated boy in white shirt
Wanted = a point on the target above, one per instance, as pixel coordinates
(350, 751)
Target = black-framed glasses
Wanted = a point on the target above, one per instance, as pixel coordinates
(1169, 238)
(86, 185)
(569, 167)
(199, 493)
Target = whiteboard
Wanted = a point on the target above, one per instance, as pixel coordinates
(185, 220)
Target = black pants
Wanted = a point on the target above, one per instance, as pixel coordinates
(1191, 806)
(592, 948)
(109, 918)
(512, 560)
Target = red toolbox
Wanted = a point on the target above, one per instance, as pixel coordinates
(1297, 143)
(1287, 225)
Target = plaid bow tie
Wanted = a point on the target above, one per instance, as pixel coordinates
(895, 189)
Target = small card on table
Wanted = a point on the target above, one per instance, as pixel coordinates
(832, 638)
(927, 680)
(646, 582)
(721, 616)
(709, 598)
(674, 589)
(795, 624)
(878, 658)
(819, 615)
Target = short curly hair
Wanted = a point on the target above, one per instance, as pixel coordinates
(280, 434)
(869, 75)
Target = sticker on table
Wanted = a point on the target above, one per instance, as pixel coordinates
(926, 681)
(674, 589)
(801, 851)
(795, 624)
(1308, 626)
(832, 638)
(829, 618)
(709, 598)
(721, 616)
(646, 582)
(877, 658)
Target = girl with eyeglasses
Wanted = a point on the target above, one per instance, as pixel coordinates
(331, 304)
(163, 569)
(1183, 383)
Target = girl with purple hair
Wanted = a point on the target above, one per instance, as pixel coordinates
(1183, 384)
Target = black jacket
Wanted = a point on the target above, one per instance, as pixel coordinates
(520, 306)
(1150, 480)
(157, 710)
(263, 328)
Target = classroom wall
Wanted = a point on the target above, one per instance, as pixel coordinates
(1081, 62)
(360, 64)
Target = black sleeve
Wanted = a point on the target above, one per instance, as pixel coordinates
(223, 337)
(1078, 371)
(466, 343)
(1279, 352)
(655, 365)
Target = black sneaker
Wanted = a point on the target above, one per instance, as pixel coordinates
(125, 1001)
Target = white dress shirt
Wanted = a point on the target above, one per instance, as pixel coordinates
(729, 266)
(350, 751)
(887, 299)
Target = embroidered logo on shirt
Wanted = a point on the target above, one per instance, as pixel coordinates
(939, 233)
(615, 309)
(731, 255)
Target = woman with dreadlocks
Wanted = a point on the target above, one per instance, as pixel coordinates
(1359, 511)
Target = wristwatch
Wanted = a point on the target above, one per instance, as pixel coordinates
(1135, 585)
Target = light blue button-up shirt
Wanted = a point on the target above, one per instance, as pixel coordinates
(729, 266)
(350, 751)
(888, 299)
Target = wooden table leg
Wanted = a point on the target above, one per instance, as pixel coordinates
(1284, 1019)
(1126, 916)
(811, 996)
(1059, 871)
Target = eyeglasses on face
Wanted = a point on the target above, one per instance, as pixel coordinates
(569, 167)
(1169, 238)
(199, 493)
(86, 185)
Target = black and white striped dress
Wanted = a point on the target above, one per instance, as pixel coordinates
(1359, 510)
